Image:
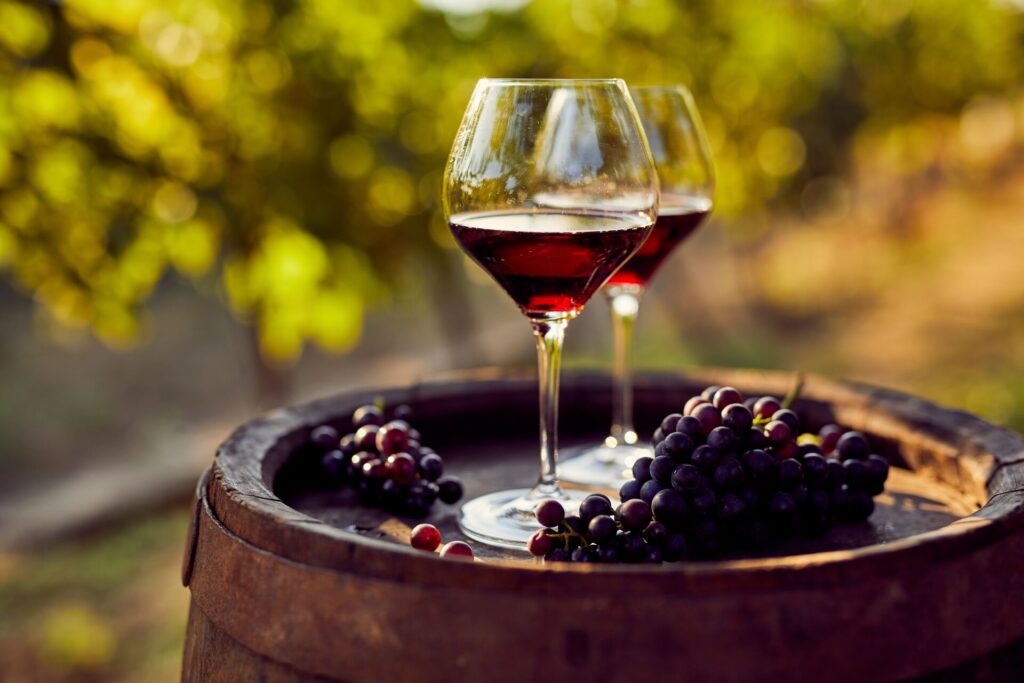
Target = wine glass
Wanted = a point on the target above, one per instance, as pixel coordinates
(550, 187)
(683, 161)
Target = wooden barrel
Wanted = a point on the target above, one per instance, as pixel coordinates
(293, 583)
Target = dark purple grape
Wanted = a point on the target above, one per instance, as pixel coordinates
(401, 468)
(431, 467)
(414, 434)
(403, 412)
(729, 474)
(790, 475)
(750, 499)
(366, 438)
(708, 417)
(557, 555)
(653, 555)
(333, 464)
(632, 545)
(392, 438)
(694, 403)
(325, 437)
(539, 544)
(367, 415)
(726, 396)
(608, 554)
(791, 419)
(668, 424)
(749, 402)
(766, 406)
(830, 437)
(879, 467)
(659, 436)
(636, 514)
(361, 458)
(853, 446)
(602, 528)
(686, 478)
(674, 548)
(709, 392)
(722, 439)
(781, 508)
(549, 512)
(778, 433)
(669, 508)
(760, 466)
(661, 469)
(861, 506)
(428, 489)
(594, 505)
(348, 445)
(706, 459)
(449, 489)
(858, 475)
(580, 555)
(574, 523)
(800, 493)
(642, 468)
(808, 448)
(650, 489)
(731, 507)
(738, 418)
(655, 533)
(878, 472)
(705, 531)
(756, 438)
(817, 502)
(704, 501)
(630, 490)
(414, 505)
(815, 469)
(678, 446)
(690, 426)
(839, 501)
(836, 473)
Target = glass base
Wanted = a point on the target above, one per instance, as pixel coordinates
(604, 466)
(505, 518)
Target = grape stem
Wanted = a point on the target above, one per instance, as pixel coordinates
(566, 536)
(794, 393)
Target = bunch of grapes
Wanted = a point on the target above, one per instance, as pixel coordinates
(385, 462)
(728, 474)
(601, 533)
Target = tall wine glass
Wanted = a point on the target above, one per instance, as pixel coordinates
(550, 187)
(683, 162)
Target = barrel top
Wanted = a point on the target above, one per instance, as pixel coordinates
(975, 466)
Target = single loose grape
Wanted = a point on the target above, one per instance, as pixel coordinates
(425, 537)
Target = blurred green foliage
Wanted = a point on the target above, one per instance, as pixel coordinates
(290, 151)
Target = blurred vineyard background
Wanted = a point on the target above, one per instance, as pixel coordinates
(209, 207)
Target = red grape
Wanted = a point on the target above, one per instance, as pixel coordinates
(457, 549)
(425, 537)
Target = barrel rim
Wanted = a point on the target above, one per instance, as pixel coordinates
(242, 499)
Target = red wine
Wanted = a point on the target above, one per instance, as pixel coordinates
(678, 218)
(549, 261)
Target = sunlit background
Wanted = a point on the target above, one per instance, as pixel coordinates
(211, 207)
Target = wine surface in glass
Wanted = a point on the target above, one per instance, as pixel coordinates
(678, 218)
(548, 260)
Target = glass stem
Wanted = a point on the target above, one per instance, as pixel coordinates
(550, 336)
(625, 304)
